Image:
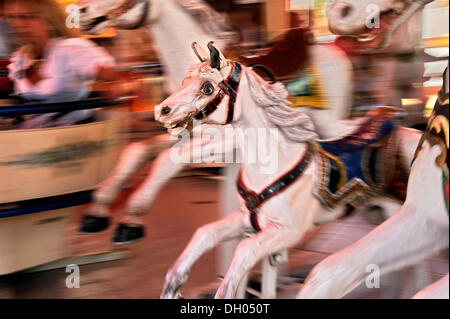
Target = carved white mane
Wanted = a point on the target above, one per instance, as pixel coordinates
(296, 125)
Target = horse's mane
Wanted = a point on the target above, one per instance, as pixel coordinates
(210, 21)
(296, 125)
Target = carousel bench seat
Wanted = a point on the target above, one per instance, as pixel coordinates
(36, 163)
(32, 232)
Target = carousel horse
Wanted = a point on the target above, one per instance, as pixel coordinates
(419, 230)
(312, 182)
(175, 25)
(378, 39)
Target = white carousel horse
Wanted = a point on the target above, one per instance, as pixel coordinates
(417, 231)
(175, 25)
(281, 206)
(378, 34)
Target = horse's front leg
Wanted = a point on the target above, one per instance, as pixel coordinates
(163, 169)
(170, 163)
(131, 159)
(204, 239)
(270, 240)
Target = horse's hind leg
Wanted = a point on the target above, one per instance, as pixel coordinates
(438, 290)
(272, 239)
(204, 239)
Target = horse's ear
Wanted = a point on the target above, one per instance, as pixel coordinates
(199, 52)
(216, 59)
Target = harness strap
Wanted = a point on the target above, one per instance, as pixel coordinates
(254, 200)
(227, 87)
(210, 107)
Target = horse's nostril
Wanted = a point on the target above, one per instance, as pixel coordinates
(165, 110)
(83, 10)
(346, 11)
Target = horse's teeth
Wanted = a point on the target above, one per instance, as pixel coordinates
(367, 37)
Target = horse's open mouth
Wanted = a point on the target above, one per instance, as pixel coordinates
(373, 29)
(93, 23)
(176, 128)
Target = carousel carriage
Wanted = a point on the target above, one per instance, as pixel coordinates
(46, 173)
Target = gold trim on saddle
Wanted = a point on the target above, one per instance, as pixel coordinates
(437, 133)
(443, 98)
(356, 192)
(341, 165)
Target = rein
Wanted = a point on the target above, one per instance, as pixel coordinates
(227, 87)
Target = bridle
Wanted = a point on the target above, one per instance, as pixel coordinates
(227, 87)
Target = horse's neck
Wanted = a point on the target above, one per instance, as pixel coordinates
(269, 154)
(174, 30)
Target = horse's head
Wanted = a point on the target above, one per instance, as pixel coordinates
(208, 94)
(370, 21)
(96, 16)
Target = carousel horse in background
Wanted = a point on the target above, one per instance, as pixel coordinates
(175, 25)
(419, 230)
(309, 185)
(377, 38)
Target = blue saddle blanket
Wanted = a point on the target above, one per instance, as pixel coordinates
(349, 164)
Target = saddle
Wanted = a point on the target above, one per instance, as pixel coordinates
(287, 58)
(363, 163)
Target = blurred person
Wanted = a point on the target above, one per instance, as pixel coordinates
(54, 64)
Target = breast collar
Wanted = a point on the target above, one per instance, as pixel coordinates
(227, 87)
(253, 200)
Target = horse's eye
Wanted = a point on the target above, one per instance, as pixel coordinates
(207, 88)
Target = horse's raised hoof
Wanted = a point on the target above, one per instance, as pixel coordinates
(92, 224)
(126, 234)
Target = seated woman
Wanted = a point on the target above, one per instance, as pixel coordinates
(54, 64)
